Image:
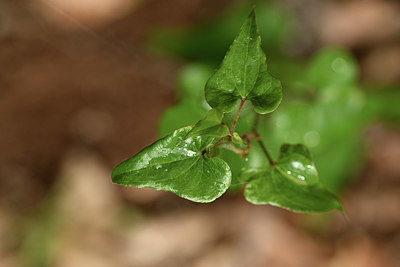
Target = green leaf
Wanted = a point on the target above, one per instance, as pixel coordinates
(212, 151)
(292, 183)
(295, 160)
(243, 75)
(248, 173)
(177, 165)
(210, 125)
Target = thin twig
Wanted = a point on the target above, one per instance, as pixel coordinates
(220, 141)
(237, 115)
(241, 152)
(256, 122)
(264, 149)
(259, 140)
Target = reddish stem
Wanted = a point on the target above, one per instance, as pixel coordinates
(237, 115)
(264, 149)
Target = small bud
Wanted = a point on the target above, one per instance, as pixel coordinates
(236, 139)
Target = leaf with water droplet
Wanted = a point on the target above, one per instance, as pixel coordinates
(291, 183)
(243, 74)
(177, 165)
(210, 125)
(295, 160)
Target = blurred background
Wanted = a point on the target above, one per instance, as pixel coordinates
(85, 84)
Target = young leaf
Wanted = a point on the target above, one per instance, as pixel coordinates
(243, 75)
(236, 139)
(291, 183)
(177, 165)
(210, 125)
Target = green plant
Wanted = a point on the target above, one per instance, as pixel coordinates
(200, 162)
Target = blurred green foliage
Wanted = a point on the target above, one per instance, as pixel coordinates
(329, 122)
(209, 41)
(324, 105)
(39, 231)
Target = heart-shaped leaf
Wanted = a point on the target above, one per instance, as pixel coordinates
(243, 74)
(210, 125)
(291, 183)
(177, 165)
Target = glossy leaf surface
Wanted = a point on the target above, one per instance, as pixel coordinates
(292, 183)
(210, 125)
(177, 165)
(243, 74)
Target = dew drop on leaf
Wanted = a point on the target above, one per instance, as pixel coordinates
(301, 177)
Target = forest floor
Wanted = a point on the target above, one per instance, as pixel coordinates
(75, 101)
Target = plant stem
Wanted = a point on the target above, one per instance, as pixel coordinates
(259, 140)
(237, 116)
(220, 141)
(264, 149)
(255, 123)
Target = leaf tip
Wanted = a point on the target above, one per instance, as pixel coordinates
(116, 174)
(252, 14)
(340, 208)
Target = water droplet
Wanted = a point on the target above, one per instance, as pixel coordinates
(158, 167)
(246, 159)
(189, 152)
(298, 165)
(301, 177)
